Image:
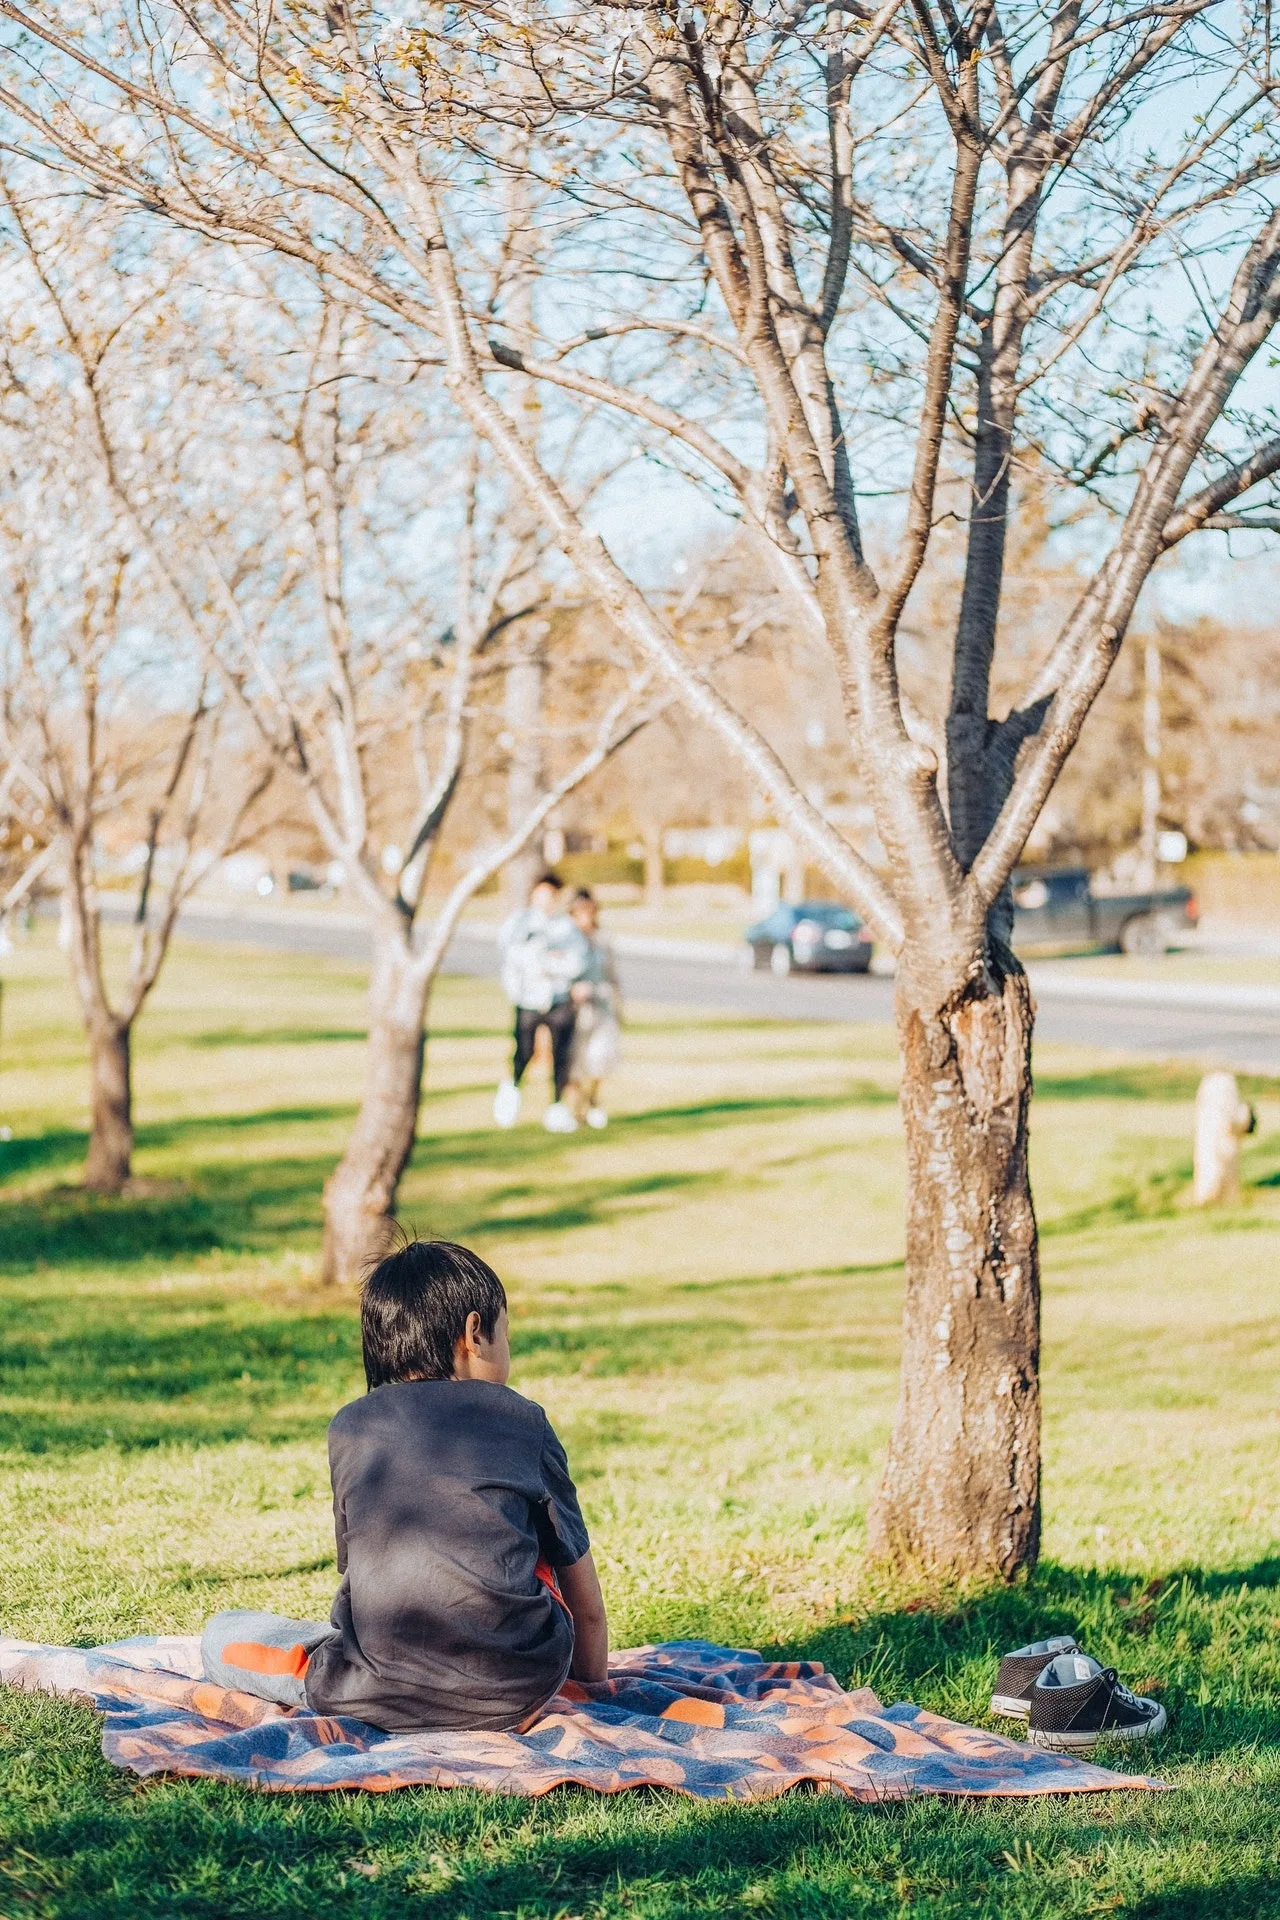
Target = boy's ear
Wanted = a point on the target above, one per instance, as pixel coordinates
(472, 1332)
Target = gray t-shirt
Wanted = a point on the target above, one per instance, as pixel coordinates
(446, 1494)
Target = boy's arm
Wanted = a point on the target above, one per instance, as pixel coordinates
(580, 1586)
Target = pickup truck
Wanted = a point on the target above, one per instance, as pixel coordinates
(1056, 906)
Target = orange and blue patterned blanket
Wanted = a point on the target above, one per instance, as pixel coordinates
(698, 1719)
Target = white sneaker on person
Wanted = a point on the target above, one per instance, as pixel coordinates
(597, 1118)
(506, 1104)
(558, 1119)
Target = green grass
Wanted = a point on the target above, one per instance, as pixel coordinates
(706, 1299)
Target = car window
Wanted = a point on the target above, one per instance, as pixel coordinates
(1066, 886)
(827, 914)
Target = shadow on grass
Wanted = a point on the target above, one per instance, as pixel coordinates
(1178, 1636)
(530, 1145)
(219, 1037)
(570, 1204)
(191, 1131)
(59, 1147)
(1261, 1151)
(96, 1850)
(67, 1227)
(147, 1367)
(1161, 1080)
(254, 1207)
(252, 1204)
(142, 1370)
(1253, 1896)
(259, 1204)
(603, 1349)
(789, 1277)
(857, 1093)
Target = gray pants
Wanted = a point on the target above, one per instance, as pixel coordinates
(261, 1653)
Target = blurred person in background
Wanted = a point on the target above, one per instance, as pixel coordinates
(597, 1032)
(543, 953)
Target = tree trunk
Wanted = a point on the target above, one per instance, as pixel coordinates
(522, 713)
(110, 1155)
(961, 1489)
(655, 871)
(360, 1194)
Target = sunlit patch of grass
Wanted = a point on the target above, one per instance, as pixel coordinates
(706, 1298)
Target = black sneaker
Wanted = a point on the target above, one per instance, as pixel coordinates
(1019, 1672)
(1075, 1703)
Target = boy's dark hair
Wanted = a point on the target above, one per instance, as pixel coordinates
(583, 893)
(414, 1307)
(548, 879)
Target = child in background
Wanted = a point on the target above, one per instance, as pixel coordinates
(597, 1034)
(543, 954)
(468, 1589)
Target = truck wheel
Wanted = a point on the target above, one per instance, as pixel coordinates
(780, 961)
(1143, 935)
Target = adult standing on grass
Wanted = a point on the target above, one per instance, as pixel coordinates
(543, 954)
(597, 1031)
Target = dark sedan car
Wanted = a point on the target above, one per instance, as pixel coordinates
(815, 937)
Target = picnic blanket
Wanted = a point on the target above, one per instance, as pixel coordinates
(695, 1718)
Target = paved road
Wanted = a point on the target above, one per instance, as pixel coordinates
(1245, 1039)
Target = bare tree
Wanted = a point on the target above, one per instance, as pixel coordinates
(92, 739)
(256, 445)
(822, 253)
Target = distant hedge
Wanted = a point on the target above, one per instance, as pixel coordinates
(611, 869)
(616, 868)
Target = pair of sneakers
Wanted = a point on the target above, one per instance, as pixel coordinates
(558, 1117)
(1068, 1700)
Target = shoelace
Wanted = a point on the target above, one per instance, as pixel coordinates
(1130, 1699)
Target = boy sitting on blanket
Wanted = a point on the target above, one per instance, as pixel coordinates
(468, 1590)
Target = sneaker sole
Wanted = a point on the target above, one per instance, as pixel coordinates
(1081, 1742)
(1009, 1707)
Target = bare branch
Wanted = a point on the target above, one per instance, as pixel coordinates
(1204, 509)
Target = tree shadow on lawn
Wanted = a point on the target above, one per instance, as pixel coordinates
(144, 1371)
(257, 1204)
(532, 1145)
(55, 1148)
(1186, 1636)
(142, 1368)
(256, 1207)
(215, 1038)
(535, 1208)
(250, 1204)
(1161, 1080)
(1252, 1896)
(112, 1848)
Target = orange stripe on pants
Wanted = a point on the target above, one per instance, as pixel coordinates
(254, 1657)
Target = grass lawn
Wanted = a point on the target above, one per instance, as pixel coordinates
(706, 1300)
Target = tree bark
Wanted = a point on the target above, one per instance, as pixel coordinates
(110, 1156)
(961, 1489)
(522, 712)
(360, 1194)
(655, 871)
